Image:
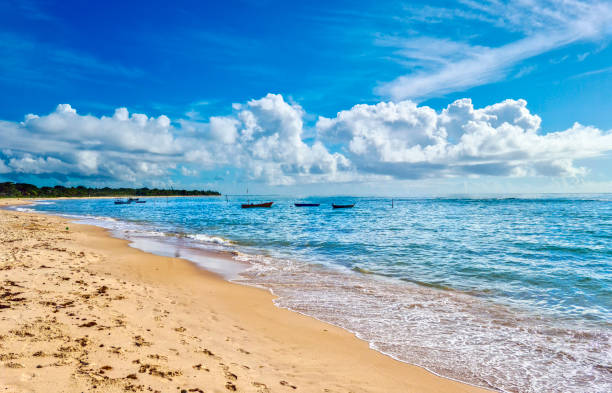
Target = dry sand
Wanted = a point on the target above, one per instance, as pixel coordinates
(81, 311)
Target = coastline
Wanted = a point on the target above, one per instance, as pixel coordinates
(167, 318)
(24, 200)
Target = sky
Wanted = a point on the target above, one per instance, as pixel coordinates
(308, 98)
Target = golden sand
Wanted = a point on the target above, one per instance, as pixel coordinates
(81, 311)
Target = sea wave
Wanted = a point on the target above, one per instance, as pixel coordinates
(210, 239)
(448, 332)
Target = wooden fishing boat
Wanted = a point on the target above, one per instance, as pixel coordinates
(252, 205)
(306, 204)
(342, 206)
(120, 202)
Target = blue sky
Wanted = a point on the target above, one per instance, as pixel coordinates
(196, 60)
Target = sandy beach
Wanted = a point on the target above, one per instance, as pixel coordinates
(81, 311)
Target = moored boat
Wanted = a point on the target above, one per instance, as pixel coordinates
(252, 205)
(128, 201)
(306, 204)
(342, 206)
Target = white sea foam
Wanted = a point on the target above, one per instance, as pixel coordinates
(142, 232)
(44, 203)
(448, 332)
(86, 217)
(210, 239)
(25, 209)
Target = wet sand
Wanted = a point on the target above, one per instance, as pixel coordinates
(82, 311)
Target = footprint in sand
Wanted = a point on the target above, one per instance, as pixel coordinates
(139, 341)
(207, 352)
(157, 357)
(200, 367)
(285, 383)
(261, 387)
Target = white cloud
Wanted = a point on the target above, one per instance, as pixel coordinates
(265, 139)
(88, 161)
(188, 172)
(37, 165)
(223, 129)
(443, 66)
(270, 142)
(122, 147)
(409, 141)
(4, 168)
(263, 136)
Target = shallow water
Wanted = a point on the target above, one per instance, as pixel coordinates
(511, 293)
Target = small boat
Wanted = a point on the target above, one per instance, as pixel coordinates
(252, 205)
(128, 201)
(342, 206)
(306, 204)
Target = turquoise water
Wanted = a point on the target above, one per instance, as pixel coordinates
(513, 293)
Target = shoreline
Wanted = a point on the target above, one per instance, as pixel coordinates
(28, 200)
(323, 350)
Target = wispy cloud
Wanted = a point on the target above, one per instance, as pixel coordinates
(440, 65)
(26, 60)
(593, 72)
(28, 9)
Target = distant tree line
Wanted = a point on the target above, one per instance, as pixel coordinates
(24, 190)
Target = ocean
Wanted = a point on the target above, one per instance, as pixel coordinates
(512, 293)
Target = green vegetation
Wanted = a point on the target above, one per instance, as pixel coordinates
(24, 190)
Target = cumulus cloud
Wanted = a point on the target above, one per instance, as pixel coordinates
(262, 136)
(271, 145)
(409, 141)
(265, 139)
(223, 129)
(122, 147)
(36, 165)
